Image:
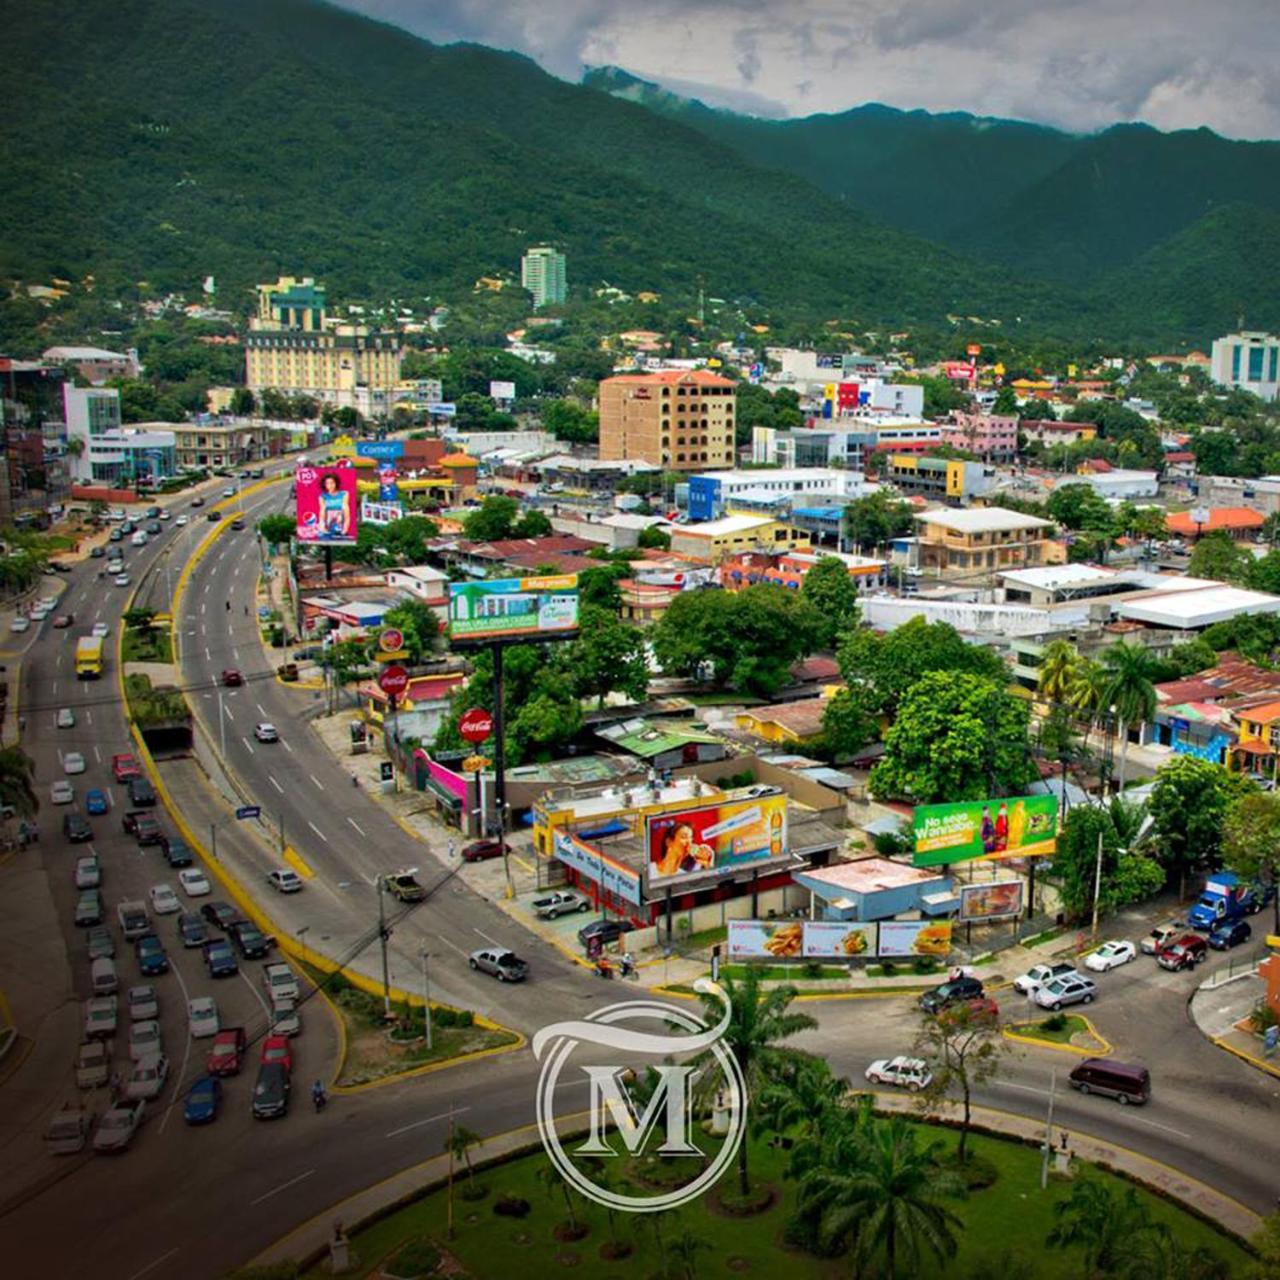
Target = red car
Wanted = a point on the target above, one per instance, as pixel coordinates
(479, 850)
(124, 767)
(1183, 953)
(231, 678)
(278, 1049)
(64, 620)
(227, 1055)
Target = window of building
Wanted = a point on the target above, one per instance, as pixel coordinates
(1256, 357)
(1235, 363)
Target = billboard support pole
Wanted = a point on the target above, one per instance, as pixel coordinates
(328, 564)
(500, 765)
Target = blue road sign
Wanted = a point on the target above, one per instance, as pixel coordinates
(248, 811)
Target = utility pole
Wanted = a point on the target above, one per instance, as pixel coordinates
(1048, 1133)
(1097, 883)
(222, 726)
(382, 940)
(426, 996)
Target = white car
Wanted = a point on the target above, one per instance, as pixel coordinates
(181, 520)
(284, 1018)
(284, 881)
(73, 762)
(100, 1017)
(265, 732)
(164, 515)
(145, 1040)
(193, 882)
(117, 1127)
(1071, 988)
(115, 566)
(1030, 982)
(906, 1073)
(100, 631)
(122, 579)
(1109, 955)
(164, 902)
(280, 982)
(20, 624)
(88, 872)
(229, 491)
(62, 792)
(202, 1017)
(66, 718)
(143, 1002)
(39, 613)
(147, 1078)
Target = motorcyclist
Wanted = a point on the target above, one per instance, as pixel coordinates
(318, 1096)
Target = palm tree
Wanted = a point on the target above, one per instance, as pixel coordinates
(1159, 1252)
(1059, 669)
(1110, 1226)
(1129, 690)
(459, 1143)
(882, 1191)
(685, 1249)
(17, 773)
(758, 1020)
(803, 1095)
(551, 1177)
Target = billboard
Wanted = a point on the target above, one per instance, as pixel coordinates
(996, 901)
(801, 939)
(612, 877)
(520, 608)
(1016, 827)
(383, 450)
(327, 505)
(714, 839)
(502, 390)
(910, 938)
(838, 940)
(380, 512)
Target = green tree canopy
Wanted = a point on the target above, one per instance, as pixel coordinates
(419, 624)
(568, 420)
(1127, 876)
(532, 524)
(1251, 840)
(832, 592)
(492, 520)
(608, 657)
(1189, 806)
(876, 518)
(1080, 506)
(277, 528)
(1217, 555)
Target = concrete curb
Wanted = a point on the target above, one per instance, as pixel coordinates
(1104, 1045)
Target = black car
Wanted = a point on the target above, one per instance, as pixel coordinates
(237, 525)
(153, 526)
(213, 517)
(1228, 935)
(75, 826)
(271, 1091)
(143, 826)
(197, 502)
(142, 795)
(253, 943)
(949, 993)
(606, 930)
(97, 553)
(192, 930)
(220, 959)
(222, 915)
(177, 852)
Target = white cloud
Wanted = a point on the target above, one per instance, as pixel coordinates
(1076, 64)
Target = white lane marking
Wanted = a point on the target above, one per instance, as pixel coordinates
(88, 715)
(318, 832)
(58, 663)
(286, 746)
(226, 711)
(97, 755)
(202, 609)
(316, 780)
(206, 588)
(355, 824)
(493, 942)
(274, 783)
(208, 657)
(53, 688)
(284, 1186)
(450, 943)
(368, 879)
(262, 711)
(257, 995)
(417, 1124)
(186, 1053)
(111, 797)
(97, 617)
(246, 743)
(1044, 1093)
(151, 1266)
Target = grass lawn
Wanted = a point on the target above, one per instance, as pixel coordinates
(1047, 1028)
(155, 645)
(798, 973)
(1014, 1214)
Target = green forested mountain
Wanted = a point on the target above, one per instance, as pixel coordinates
(169, 139)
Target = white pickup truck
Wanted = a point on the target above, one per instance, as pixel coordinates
(134, 920)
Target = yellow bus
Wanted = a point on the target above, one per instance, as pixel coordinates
(88, 657)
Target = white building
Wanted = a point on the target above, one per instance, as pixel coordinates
(711, 493)
(1249, 361)
(1119, 484)
(542, 272)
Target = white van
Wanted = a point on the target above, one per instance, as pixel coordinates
(139, 539)
(102, 975)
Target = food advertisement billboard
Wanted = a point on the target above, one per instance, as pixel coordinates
(327, 505)
(914, 938)
(1015, 827)
(520, 608)
(801, 939)
(996, 901)
(715, 839)
(838, 940)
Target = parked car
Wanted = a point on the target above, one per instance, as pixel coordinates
(1035, 977)
(1184, 952)
(68, 1131)
(220, 959)
(62, 792)
(271, 1091)
(89, 908)
(203, 1100)
(134, 921)
(284, 881)
(280, 982)
(117, 1127)
(143, 826)
(96, 802)
(192, 930)
(101, 943)
(232, 679)
(1160, 935)
(93, 1064)
(101, 1014)
(905, 1073)
(1230, 934)
(1070, 988)
(88, 872)
(285, 1019)
(147, 1079)
(143, 1003)
(226, 1055)
(177, 852)
(1110, 955)
(164, 902)
(75, 826)
(152, 957)
(278, 1049)
(146, 1040)
(202, 1017)
(142, 794)
(504, 965)
(124, 766)
(939, 997)
(66, 718)
(480, 850)
(73, 762)
(194, 883)
(561, 902)
(608, 931)
(221, 915)
(1126, 1082)
(251, 941)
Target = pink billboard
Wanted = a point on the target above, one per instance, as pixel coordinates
(326, 504)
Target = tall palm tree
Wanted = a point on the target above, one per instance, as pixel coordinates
(884, 1192)
(685, 1249)
(803, 1095)
(17, 774)
(1129, 690)
(1059, 669)
(758, 1020)
(1110, 1226)
(460, 1143)
(551, 1178)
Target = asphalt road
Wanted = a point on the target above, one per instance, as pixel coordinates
(192, 1203)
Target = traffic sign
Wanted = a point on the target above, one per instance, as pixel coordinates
(394, 680)
(476, 725)
(248, 811)
(391, 640)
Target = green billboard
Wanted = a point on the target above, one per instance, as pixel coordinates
(1015, 827)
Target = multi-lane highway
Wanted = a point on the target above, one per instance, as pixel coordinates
(164, 1208)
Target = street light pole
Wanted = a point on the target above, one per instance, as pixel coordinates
(222, 726)
(1097, 884)
(382, 939)
(426, 997)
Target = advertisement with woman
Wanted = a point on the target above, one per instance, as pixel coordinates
(716, 837)
(327, 507)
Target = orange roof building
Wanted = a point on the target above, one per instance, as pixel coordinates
(677, 419)
(1239, 522)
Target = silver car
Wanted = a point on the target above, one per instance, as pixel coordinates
(504, 965)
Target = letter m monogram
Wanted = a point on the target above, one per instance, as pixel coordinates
(611, 1100)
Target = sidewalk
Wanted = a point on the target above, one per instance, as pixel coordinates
(1216, 1011)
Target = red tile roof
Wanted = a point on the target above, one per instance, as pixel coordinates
(670, 377)
(1219, 518)
(1180, 455)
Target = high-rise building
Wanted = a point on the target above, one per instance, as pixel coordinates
(1250, 361)
(102, 451)
(678, 419)
(542, 272)
(294, 348)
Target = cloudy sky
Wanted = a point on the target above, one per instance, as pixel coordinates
(1076, 64)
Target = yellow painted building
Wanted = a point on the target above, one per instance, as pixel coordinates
(712, 540)
(1257, 746)
(984, 540)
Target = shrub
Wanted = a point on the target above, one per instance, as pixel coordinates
(925, 964)
(509, 1206)
(888, 968)
(812, 969)
(977, 1172)
(415, 1258)
(1262, 1017)
(1055, 1022)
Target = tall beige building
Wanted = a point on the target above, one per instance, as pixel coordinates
(293, 347)
(678, 419)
